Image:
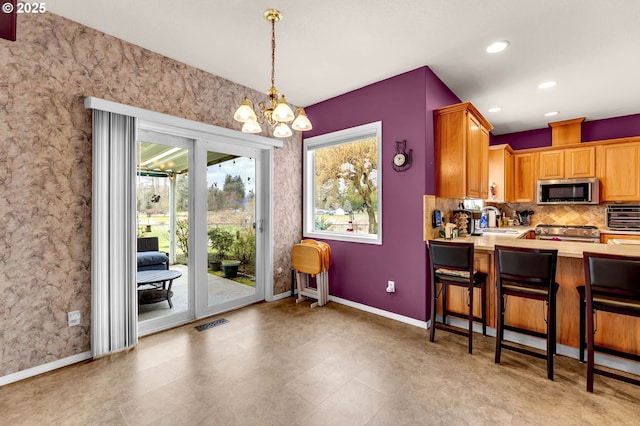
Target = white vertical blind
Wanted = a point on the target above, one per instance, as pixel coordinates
(114, 324)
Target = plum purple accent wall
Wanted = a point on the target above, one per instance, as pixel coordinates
(523, 140)
(611, 128)
(596, 130)
(438, 95)
(360, 272)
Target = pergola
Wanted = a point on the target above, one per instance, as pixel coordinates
(164, 161)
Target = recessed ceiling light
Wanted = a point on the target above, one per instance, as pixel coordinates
(498, 46)
(551, 114)
(494, 109)
(547, 84)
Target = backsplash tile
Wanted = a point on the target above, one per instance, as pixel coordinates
(562, 215)
(557, 215)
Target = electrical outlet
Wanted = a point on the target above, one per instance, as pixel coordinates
(73, 318)
(391, 287)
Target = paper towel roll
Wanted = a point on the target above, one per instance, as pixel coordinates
(448, 230)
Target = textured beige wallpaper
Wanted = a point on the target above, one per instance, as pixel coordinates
(45, 171)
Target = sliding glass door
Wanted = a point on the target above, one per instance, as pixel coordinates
(163, 221)
(233, 206)
(200, 206)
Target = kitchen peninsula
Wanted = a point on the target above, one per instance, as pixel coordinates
(616, 332)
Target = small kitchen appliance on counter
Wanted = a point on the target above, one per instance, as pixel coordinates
(623, 217)
(524, 217)
(576, 233)
(464, 222)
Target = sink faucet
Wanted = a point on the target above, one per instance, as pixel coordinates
(491, 208)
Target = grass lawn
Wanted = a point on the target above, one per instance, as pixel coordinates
(339, 223)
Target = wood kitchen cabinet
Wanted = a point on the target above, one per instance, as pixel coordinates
(580, 162)
(567, 163)
(461, 152)
(618, 168)
(524, 177)
(551, 164)
(501, 168)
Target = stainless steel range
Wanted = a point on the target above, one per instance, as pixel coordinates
(583, 234)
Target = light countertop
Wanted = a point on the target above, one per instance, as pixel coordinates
(487, 242)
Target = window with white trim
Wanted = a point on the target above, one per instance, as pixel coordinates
(343, 185)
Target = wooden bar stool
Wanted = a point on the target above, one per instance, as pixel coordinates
(452, 264)
(530, 274)
(612, 284)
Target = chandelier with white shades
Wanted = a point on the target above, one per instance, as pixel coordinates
(276, 112)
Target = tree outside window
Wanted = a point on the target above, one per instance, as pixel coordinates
(342, 185)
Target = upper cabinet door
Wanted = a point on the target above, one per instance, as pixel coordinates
(551, 164)
(619, 171)
(500, 174)
(580, 162)
(461, 152)
(525, 178)
(475, 153)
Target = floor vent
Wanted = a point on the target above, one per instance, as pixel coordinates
(211, 324)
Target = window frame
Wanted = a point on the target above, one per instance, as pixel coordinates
(352, 134)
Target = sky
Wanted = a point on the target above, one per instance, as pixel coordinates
(241, 166)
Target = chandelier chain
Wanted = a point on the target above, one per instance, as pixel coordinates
(273, 52)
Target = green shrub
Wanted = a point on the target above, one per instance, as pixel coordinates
(244, 247)
(322, 223)
(221, 241)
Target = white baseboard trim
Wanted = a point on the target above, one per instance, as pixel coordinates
(534, 342)
(382, 313)
(44, 368)
(280, 296)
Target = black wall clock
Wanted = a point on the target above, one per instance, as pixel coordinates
(401, 159)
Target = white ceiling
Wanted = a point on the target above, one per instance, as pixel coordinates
(329, 47)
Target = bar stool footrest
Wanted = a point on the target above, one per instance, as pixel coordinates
(617, 353)
(451, 329)
(525, 331)
(616, 376)
(524, 351)
(466, 317)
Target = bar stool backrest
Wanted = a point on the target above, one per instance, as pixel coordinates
(533, 267)
(456, 256)
(613, 274)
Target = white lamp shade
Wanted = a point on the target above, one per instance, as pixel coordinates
(282, 131)
(245, 112)
(282, 113)
(301, 123)
(251, 126)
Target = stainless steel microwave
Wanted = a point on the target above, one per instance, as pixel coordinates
(569, 191)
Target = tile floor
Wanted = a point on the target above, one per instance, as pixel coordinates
(285, 364)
